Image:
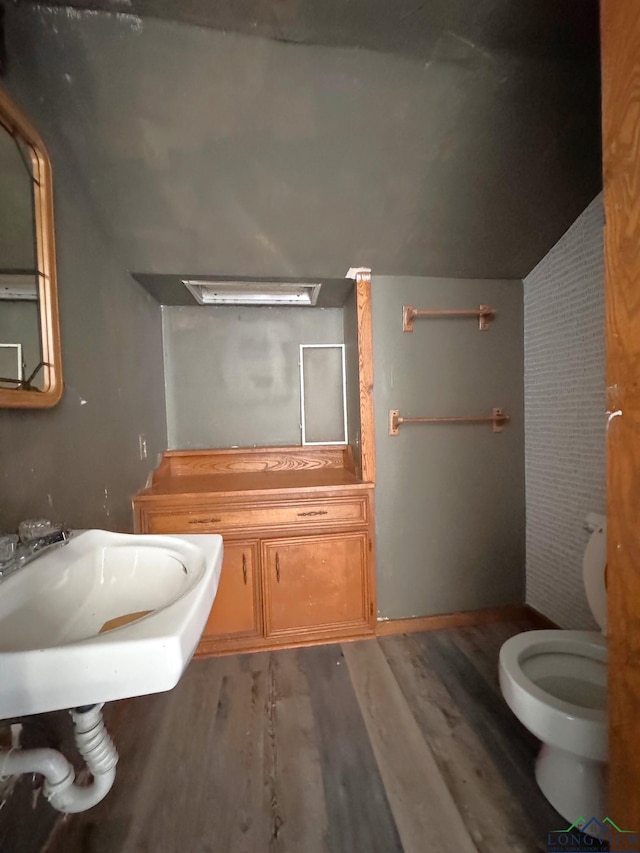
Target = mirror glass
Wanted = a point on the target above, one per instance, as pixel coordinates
(30, 374)
(20, 345)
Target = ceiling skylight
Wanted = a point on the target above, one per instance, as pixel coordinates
(252, 292)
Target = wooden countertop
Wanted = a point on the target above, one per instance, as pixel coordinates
(328, 479)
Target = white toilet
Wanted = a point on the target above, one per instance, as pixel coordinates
(555, 682)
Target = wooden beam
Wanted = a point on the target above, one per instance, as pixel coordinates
(365, 358)
(621, 155)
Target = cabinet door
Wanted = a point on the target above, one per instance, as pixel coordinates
(236, 611)
(313, 583)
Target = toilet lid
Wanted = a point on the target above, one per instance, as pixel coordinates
(593, 572)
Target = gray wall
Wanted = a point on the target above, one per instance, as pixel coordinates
(565, 422)
(232, 376)
(350, 326)
(214, 152)
(449, 498)
(79, 462)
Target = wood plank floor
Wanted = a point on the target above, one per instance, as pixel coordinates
(397, 744)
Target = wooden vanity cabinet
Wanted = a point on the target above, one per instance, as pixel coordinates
(316, 583)
(297, 526)
(236, 611)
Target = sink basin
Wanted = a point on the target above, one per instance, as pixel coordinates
(107, 616)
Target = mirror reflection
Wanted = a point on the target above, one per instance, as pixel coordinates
(29, 335)
(20, 340)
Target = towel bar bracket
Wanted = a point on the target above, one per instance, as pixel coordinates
(484, 313)
(497, 419)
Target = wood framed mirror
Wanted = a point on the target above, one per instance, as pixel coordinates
(30, 355)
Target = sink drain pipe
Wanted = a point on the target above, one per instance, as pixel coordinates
(95, 746)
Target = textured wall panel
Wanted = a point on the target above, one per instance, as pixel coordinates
(565, 423)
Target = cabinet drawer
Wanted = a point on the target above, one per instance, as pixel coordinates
(333, 512)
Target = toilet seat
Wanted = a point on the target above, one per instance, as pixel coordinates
(555, 682)
(568, 725)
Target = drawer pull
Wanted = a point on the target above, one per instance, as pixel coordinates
(277, 567)
(244, 568)
(313, 512)
(204, 521)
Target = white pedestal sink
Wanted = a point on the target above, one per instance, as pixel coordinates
(104, 617)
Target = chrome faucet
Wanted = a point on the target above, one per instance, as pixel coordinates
(34, 537)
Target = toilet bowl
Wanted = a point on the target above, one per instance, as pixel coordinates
(555, 682)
